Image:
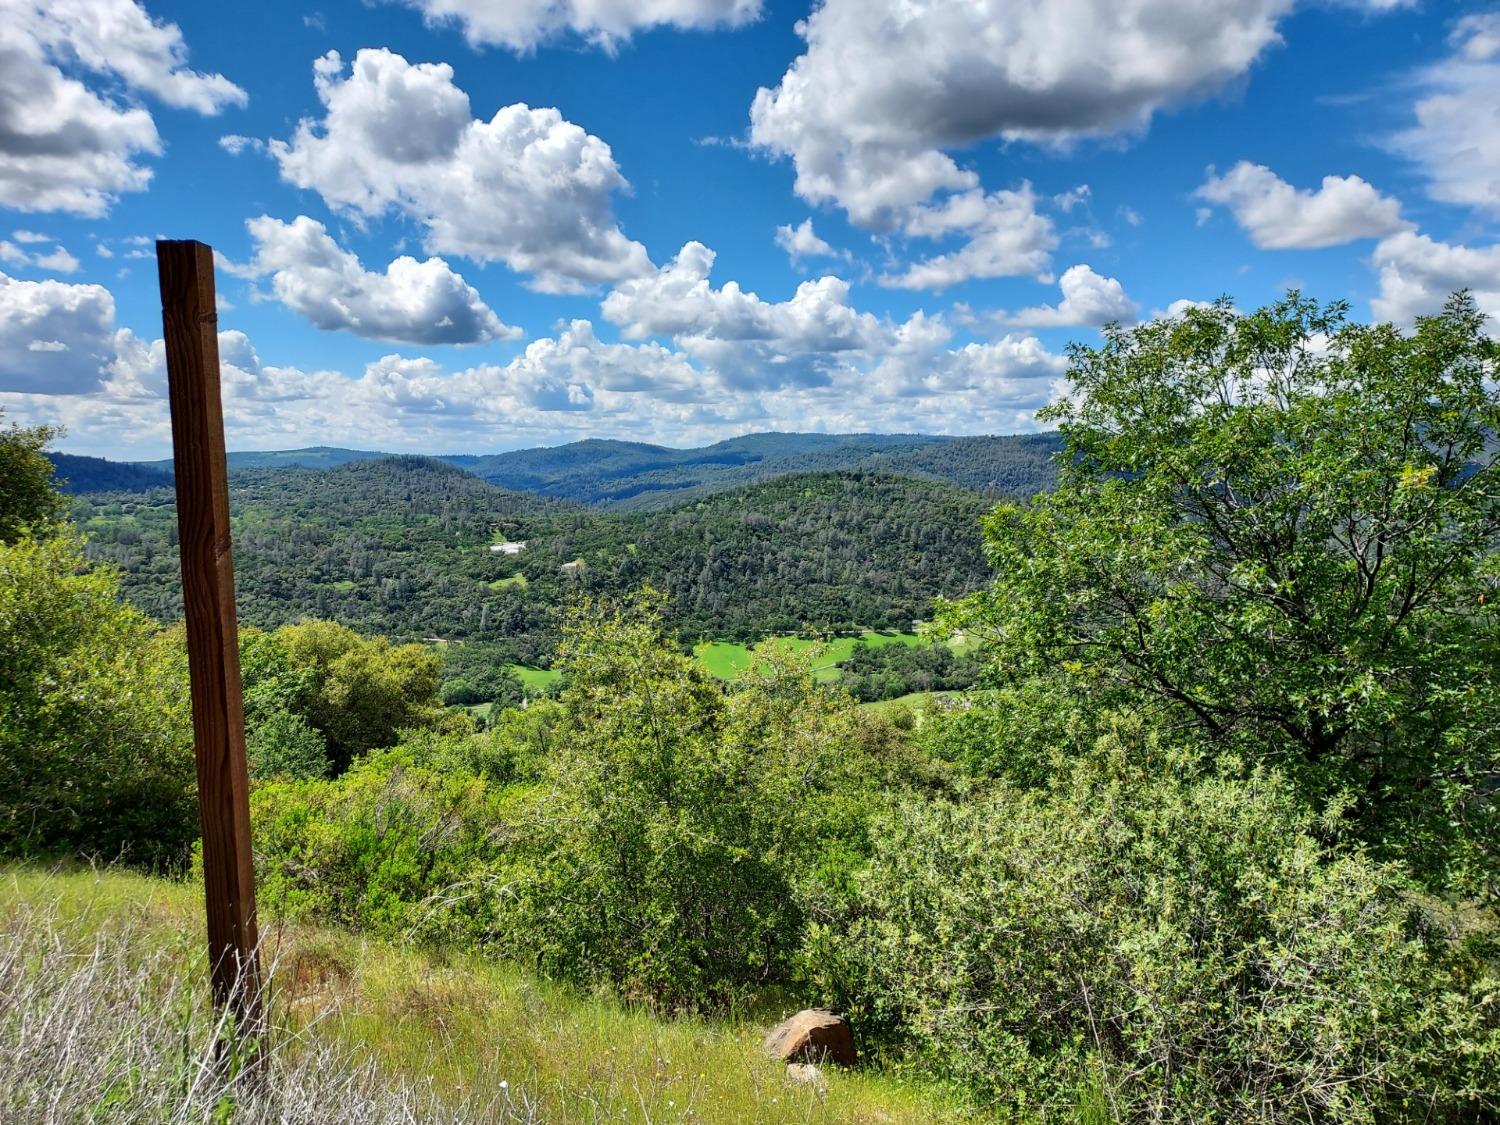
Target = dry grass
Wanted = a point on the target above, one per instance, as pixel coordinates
(103, 1017)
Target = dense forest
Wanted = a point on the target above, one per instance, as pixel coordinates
(96, 474)
(401, 546)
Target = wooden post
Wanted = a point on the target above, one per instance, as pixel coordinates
(190, 325)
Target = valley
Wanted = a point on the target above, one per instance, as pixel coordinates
(409, 547)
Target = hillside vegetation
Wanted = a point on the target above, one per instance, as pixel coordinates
(1214, 840)
(401, 546)
(630, 475)
(636, 476)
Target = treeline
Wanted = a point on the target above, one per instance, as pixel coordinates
(880, 672)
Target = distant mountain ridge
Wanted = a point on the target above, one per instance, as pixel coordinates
(637, 476)
(76, 475)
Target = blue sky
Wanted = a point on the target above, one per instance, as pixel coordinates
(475, 225)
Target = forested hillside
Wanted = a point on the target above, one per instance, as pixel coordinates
(77, 475)
(635, 476)
(401, 546)
(830, 551)
(629, 475)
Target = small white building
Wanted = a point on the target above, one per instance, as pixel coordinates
(508, 548)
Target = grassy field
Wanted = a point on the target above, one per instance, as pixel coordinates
(102, 974)
(535, 680)
(516, 580)
(727, 660)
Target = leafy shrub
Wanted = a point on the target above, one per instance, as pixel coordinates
(281, 744)
(29, 499)
(1182, 941)
(96, 745)
(392, 847)
(685, 828)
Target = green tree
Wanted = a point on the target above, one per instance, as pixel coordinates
(28, 496)
(364, 690)
(96, 747)
(280, 695)
(283, 745)
(688, 826)
(1282, 527)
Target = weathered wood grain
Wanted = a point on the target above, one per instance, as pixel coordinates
(190, 329)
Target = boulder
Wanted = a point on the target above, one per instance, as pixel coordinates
(813, 1035)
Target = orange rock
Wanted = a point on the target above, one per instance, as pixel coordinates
(813, 1035)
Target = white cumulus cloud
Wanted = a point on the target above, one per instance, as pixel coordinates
(1418, 273)
(887, 91)
(522, 24)
(1455, 138)
(65, 146)
(525, 187)
(885, 86)
(749, 341)
(413, 302)
(57, 338)
(1003, 236)
(801, 241)
(1278, 216)
(1088, 300)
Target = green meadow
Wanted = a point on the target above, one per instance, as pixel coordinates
(728, 660)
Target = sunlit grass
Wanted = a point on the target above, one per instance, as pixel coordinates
(728, 660)
(455, 1027)
(535, 680)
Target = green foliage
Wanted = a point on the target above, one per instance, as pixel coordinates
(412, 841)
(95, 731)
(478, 673)
(873, 673)
(363, 690)
(279, 695)
(1183, 941)
(399, 849)
(686, 826)
(283, 745)
(29, 499)
(1282, 527)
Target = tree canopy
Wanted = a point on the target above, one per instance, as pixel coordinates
(1281, 527)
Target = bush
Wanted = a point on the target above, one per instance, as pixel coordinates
(1183, 942)
(96, 744)
(686, 828)
(391, 847)
(282, 745)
